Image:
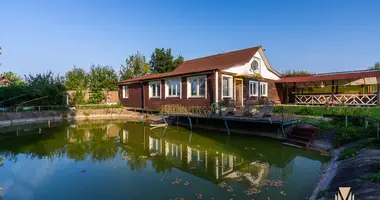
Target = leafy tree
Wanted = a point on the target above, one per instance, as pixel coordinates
(102, 78)
(162, 61)
(376, 66)
(76, 78)
(135, 65)
(47, 85)
(13, 78)
(290, 72)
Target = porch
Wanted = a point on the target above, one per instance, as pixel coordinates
(358, 88)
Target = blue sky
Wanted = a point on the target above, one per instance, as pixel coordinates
(318, 36)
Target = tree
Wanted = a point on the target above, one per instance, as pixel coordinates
(293, 72)
(162, 61)
(376, 66)
(13, 78)
(76, 79)
(102, 78)
(135, 65)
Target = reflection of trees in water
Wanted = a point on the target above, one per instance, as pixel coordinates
(160, 164)
(75, 143)
(102, 148)
(136, 162)
(79, 149)
(33, 145)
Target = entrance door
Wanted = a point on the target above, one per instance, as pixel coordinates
(239, 91)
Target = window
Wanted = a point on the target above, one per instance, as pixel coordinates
(263, 89)
(226, 86)
(125, 91)
(174, 87)
(253, 88)
(196, 86)
(154, 90)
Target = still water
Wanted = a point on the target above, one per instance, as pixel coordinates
(104, 160)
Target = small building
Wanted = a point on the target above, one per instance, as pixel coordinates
(237, 75)
(356, 88)
(4, 82)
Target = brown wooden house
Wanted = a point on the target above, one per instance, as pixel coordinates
(4, 82)
(238, 75)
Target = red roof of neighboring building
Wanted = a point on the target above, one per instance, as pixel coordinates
(331, 76)
(209, 63)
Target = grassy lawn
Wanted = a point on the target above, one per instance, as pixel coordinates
(370, 112)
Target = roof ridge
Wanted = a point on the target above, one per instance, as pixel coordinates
(259, 46)
(344, 72)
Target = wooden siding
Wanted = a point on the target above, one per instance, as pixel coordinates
(134, 98)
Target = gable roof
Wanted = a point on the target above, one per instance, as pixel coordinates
(3, 80)
(209, 63)
(331, 76)
(218, 62)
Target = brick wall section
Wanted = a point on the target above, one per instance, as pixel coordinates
(113, 96)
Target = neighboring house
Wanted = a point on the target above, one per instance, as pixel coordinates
(237, 75)
(4, 82)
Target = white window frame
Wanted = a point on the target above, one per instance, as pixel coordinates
(256, 85)
(124, 88)
(264, 84)
(189, 79)
(151, 85)
(230, 90)
(167, 88)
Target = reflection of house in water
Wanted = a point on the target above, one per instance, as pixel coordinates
(196, 158)
(173, 151)
(155, 146)
(124, 136)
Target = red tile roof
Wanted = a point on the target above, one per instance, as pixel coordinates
(209, 63)
(331, 76)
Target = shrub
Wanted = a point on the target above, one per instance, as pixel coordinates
(96, 98)
(77, 98)
(348, 153)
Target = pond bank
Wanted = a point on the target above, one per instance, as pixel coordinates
(349, 173)
(19, 118)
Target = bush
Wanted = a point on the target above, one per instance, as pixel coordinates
(96, 98)
(77, 98)
(348, 153)
(41, 89)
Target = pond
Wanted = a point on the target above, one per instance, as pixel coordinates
(112, 160)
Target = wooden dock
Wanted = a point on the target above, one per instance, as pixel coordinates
(274, 121)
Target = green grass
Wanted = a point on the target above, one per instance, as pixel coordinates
(370, 112)
(372, 177)
(96, 106)
(348, 153)
(353, 151)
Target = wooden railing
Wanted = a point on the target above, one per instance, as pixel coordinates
(346, 99)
